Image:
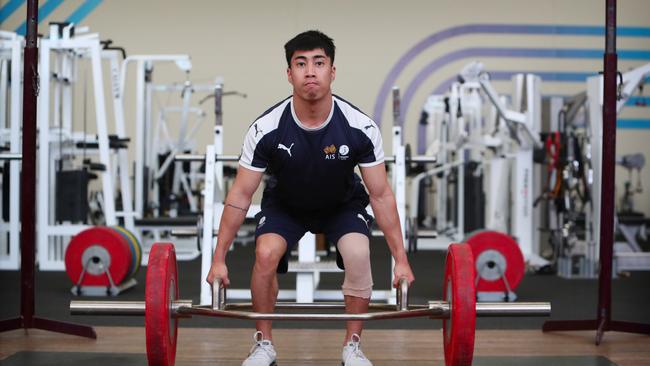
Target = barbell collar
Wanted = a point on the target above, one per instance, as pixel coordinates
(119, 308)
(512, 309)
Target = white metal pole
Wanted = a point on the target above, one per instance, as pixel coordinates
(211, 213)
(43, 185)
(140, 140)
(123, 158)
(102, 133)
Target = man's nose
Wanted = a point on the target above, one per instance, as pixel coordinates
(311, 69)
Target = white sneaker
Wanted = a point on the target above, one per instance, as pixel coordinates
(352, 354)
(262, 353)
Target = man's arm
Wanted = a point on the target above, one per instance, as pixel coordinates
(384, 208)
(234, 212)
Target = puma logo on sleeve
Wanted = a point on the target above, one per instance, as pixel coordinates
(257, 130)
(288, 149)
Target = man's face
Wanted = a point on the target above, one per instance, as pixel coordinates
(311, 73)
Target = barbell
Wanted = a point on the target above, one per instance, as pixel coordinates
(162, 307)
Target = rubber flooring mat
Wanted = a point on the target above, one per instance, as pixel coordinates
(106, 359)
(74, 358)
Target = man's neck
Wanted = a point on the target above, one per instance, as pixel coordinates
(312, 114)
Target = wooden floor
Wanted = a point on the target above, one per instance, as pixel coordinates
(200, 346)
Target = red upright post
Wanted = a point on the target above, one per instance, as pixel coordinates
(28, 193)
(603, 321)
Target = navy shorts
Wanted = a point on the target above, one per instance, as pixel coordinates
(352, 218)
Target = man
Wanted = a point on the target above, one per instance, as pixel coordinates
(309, 144)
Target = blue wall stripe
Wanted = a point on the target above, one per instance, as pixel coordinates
(43, 12)
(434, 65)
(631, 32)
(558, 76)
(600, 31)
(632, 102)
(465, 53)
(83, 10)
(633, 124)
(514, 29)
(638, 102)
(9, 8)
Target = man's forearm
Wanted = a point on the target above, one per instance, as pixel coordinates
(385, 209)
(234, 214)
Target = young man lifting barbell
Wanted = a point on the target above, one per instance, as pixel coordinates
(309, 144)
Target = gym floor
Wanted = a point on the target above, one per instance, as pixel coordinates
(500, 341)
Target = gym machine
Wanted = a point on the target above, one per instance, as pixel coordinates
(578, 254)
(472, 128)
(63, 207)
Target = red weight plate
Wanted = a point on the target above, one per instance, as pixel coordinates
(161, 326)
(98, 248)
(458, 290)
(493, 246)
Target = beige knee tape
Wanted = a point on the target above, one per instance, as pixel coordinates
(355, 251)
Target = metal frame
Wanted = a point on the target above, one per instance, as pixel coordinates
(11, 45)
(144, 114)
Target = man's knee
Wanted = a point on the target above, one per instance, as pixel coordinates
(355, 250)
(268, 251)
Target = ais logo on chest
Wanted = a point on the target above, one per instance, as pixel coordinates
(330, 152)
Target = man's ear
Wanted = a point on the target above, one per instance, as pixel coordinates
(289, 78)
(333, 72)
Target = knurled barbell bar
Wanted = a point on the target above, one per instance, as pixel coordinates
(162, 307)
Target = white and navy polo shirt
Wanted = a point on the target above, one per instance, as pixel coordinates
(312, 169)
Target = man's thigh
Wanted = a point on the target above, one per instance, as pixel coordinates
(278, 222)
(346, 221)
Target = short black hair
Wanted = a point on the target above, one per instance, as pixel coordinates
(307, 41)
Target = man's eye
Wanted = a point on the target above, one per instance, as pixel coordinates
(320, 63)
